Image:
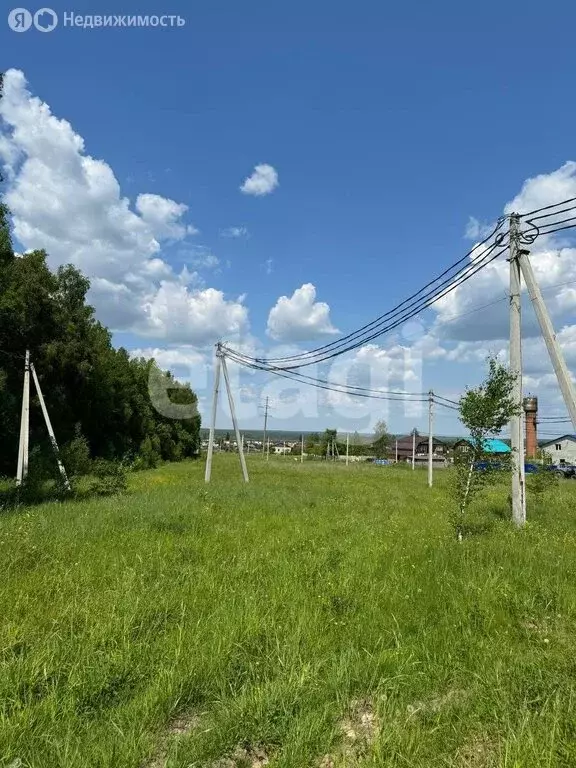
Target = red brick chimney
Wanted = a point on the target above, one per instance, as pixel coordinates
(531, 413)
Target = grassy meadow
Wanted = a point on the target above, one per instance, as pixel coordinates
(320, 616)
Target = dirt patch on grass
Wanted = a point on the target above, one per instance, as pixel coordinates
(358, 729)
(478, 753)
(244, 756)
(177, 728)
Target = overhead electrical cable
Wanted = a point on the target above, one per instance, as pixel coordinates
(355, 340)
(373, 325)
(547, 207)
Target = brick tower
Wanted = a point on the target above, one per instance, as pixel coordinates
(531, 413)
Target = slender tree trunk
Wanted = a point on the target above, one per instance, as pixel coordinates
(464, 501)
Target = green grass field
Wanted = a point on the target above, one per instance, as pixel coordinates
(320, 616)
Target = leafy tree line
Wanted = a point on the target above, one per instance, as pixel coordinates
(317, 445)
(98, 397)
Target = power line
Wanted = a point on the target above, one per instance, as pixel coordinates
(554, 213)
(548, 207)
(295, 376)
(378, 320)
(342, 389)
(447, 399)
(315, 356)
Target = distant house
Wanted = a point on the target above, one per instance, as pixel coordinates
(282, 449)
(490, 446)
(562, 449)
(405, 446)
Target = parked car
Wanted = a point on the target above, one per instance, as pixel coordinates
(562, 470)
(483, 466)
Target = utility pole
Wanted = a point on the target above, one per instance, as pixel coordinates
(396, 450)
(234, 420)
(516, 436)
(347, 447)
(217, 369)
(430, 438)
(49, 428)
(302, 450)
(413, 448)
(556, 356)
(22, 470)
(265, 425)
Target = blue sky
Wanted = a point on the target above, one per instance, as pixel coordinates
(388, 128)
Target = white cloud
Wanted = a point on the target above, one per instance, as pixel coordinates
(234, 232)
(553, 262)
(184, 316)
(545, 189)
(163, 217)
(185, 362)
(476, 230)
(269, 266)
(263, 181)
(300, 317)
(70, 204)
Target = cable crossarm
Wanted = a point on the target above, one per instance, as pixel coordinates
(396, 317)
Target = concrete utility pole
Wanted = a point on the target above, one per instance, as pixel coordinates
(217, 369)
(49, 428)
(302, 450)
(516, 434)
(430, 438)
(347, 447)
(413, 448)
(234, 420)
(396, 450)
(556, 356)
(265, 425)
(22, 470)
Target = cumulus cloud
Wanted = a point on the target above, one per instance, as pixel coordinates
(185, 362)
(476, 230)
(163, 217)
(174, 312)
(300, 317)
(70, 204)
(554, 262)
(263, 181)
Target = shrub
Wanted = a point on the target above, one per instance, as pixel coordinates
(75, 456)
(109, 478)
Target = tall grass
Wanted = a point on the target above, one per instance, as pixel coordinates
(169, 625)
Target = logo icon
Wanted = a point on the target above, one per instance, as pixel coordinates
(19, 20)
(45, 20)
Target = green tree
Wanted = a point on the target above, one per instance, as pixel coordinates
(329, 439)
(382, 439)
(484, 411)
(99, 398)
